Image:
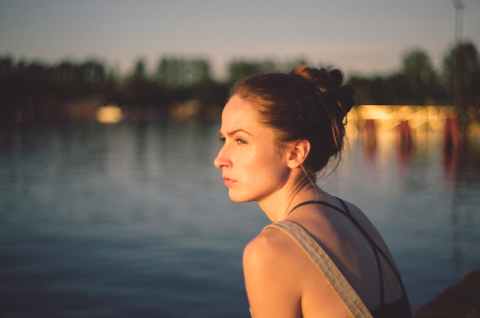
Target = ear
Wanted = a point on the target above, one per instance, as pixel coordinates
(297, 153)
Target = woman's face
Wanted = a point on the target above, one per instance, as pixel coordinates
(252, 166)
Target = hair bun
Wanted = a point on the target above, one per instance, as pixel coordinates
(346, 97)
(321, 78)
(336, 79)
(329, 83)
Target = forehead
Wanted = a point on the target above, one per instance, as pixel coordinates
(240, 114)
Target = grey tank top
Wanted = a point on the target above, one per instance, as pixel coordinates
(398, 309)
(333, 275)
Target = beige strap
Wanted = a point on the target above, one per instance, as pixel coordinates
(343, 289)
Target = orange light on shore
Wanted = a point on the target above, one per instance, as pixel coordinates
(110, 114)
(390, 116)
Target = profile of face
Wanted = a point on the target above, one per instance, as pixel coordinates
(253, 167)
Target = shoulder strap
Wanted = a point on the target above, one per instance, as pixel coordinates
(335, 278)
(377, 250)
(346, 212)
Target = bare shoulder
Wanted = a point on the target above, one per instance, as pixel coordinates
(269, 245)
(283, 282)
(271, 254)
(272, 267)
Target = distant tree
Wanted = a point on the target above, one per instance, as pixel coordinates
(240, 69)
(210, 93)
(397, 89)
(362, 90)
(65, 79)
(371, 91)
(420, 75)
(138, 89)
(378, 91)
(6, 66)
(38, 79)
(171, 73)
(175, 73)
(199, 72)
(9, 80)
(415, 83)
(92, 76)
(461, 76)
(72, 78)
(110, 89)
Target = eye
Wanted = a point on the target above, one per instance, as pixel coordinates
(222, 140)
(240, 141)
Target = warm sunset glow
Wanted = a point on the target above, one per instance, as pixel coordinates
(387, 116)
(110, 114)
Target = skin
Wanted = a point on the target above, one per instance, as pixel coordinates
(254, 169)
(281, 280)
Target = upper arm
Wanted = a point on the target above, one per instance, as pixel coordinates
(272, 279)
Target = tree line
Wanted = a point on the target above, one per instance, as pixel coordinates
(177, 79)
(417, 82)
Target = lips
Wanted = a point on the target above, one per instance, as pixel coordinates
(229, 182)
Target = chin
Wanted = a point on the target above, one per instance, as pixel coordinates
(235, 196)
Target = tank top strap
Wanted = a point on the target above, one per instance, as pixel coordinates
(323, 262)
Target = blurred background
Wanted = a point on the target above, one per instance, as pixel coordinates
(110, 205)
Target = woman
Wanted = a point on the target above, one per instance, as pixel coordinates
(321, 257)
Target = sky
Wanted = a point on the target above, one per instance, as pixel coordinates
(357, 36)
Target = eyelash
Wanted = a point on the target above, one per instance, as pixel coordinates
(238, 140)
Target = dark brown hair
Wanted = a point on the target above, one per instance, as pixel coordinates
(306, 104)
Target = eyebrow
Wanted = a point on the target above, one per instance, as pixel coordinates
(234, 132)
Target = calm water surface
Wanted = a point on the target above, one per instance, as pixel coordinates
(133, 219)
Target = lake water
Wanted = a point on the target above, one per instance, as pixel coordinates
(133, 219)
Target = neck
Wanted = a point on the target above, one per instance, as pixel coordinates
(278, 204)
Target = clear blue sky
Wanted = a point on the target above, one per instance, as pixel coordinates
(357, 36)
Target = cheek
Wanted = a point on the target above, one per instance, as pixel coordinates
(261, 172)
(249, 164)
(259, 163)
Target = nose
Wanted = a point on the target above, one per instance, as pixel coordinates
(222, 160)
